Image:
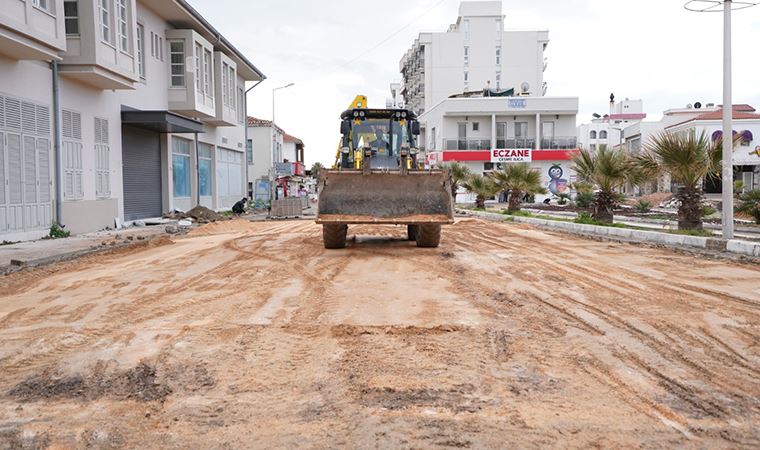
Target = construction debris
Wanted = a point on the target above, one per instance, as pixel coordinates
(199, 214)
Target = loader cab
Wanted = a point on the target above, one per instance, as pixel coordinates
(385, 136)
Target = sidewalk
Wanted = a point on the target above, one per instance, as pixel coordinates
(47, 250)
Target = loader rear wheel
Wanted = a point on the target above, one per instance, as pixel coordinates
(411, 232)
(334, 235)
(428, 235)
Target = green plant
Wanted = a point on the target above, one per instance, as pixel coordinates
(584, 199)
(584, 217)
(563, 198)
(643, 206)
(688, 158)
(609, 170)
(518, 180)
(516, 213)
(57, 231)
(7, 242)
(459, 174)
(316, 168)
(708, 210)
(482, 186)
(750, 204)
(738, 186)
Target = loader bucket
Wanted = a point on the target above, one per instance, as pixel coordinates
(350, 196)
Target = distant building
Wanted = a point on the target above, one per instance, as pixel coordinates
(608, 129)
(146, 99)
(274, 156)
(474, 53)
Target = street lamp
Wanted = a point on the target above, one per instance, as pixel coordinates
(273, 177)
(728, 107)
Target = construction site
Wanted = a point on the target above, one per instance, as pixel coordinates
(245, 334)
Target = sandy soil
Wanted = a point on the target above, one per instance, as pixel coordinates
(251, 335)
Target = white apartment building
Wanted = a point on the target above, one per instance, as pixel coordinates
(466, 129)
(115, 110)
(476, 52)
(609, 129)
(274, 156)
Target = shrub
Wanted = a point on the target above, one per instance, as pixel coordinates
(563, 198)
(750, 204)
(584, 199)
(585, 218)
(643, 206)
(57, 231)
(708, 211)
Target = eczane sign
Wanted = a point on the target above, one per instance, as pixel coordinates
(511, 155)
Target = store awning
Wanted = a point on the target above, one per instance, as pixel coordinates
(161, 121)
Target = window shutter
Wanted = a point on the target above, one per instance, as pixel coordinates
(30, 169)
(12, 113)
(43, 120)
(43, 155)
(28, 119)
(101, 130)
(76, 124)
(2, 111)
(66, 124)
(2, 169)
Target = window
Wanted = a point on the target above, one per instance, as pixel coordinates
(231, 86)
(592, 134)
(181, 167)
(207, 74)
(547, 130)
(198, 77)
(122, 25)
(205, 151)
(152, 44)
(249, 151)
(71, 146)
(105, 20)
(498, 81)
(498, 56)
(521, 130)
(225, 83)
(177, 62)
(102, 159)
(499, 28)
(47, 5)
(466, 56)
(476, 126)
(141, 50)
(160, 49)
(466, 79)
(603, 134)
(71, 17)
(592, 147)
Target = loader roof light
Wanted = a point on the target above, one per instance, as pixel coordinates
(356, 113)
(403, 114)
(361, 113)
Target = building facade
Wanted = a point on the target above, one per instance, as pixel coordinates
(475, 53)
(116, 110)
(275, 157)
(466, 130)
(608, 130)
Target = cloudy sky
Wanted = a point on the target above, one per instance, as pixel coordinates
(332, 50)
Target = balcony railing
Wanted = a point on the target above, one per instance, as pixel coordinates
(556, 143)
(468, 144)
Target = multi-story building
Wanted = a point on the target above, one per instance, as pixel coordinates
(275, 156)
(115, 110)
(608, 130)
(476, 52)
(468, 129)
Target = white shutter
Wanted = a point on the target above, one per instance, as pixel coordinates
(30, 170)
(43, 156)
(2, 111)
(15, 181)
(102, 171)
(43, 120)
(101, 130)
(2, 168)
(72, 170)
(12, 113)
(28, 119)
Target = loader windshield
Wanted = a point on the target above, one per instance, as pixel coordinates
(383, 135)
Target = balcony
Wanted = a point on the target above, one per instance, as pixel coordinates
(28, 31)
(226, 88)
(467, 144)
(515, 143)
(191, 87)
(559, 143)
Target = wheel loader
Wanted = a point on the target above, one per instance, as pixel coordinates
(376, 179)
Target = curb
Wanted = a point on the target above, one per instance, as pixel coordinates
(736, 246)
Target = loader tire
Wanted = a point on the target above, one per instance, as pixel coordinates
(334, 235)
(411, 232)
(428, 235)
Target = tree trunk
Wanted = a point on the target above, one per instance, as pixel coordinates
(480, 202)
(690, 211)
(515, 196)
(604, 202)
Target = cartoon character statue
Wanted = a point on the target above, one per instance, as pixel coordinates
(557, 184)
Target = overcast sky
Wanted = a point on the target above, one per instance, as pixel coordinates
(649, 49)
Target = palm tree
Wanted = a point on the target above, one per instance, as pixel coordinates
(482, 187)
(688, 159)
(518, 180)
(315, 169)
(459, 173)
(608, 170)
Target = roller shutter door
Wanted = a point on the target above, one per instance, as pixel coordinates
(141, 155)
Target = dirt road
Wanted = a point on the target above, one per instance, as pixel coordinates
(251, 335)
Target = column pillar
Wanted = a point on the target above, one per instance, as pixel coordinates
(538, 131)
(493, 131)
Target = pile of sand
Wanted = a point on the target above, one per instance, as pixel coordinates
(200, 214)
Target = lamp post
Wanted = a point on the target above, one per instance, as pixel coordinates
(274, 141)
(728, 144)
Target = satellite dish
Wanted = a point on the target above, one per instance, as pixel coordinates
(698, 105)
(525, 86)
(689, 106)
